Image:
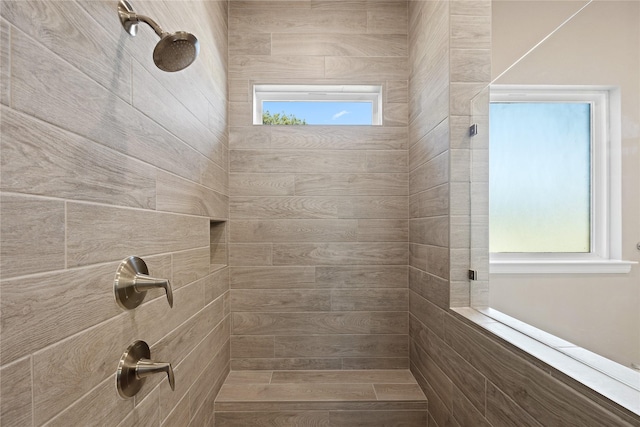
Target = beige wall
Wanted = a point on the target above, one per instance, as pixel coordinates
(470, 377)
(105, 156)
(318, 214)
(599, 46)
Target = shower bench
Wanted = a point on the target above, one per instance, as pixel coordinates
(390, 398)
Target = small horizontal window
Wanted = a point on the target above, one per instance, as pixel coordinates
(317, 105)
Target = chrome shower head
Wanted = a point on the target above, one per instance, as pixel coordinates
(174, 51)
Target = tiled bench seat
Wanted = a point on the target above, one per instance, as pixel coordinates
(371, 398)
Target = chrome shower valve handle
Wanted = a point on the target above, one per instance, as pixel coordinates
(135, 365)
(146, 367)
(132, 282)
(142, 283)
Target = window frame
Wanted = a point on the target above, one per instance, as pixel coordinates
(318, 93)
(605, 252)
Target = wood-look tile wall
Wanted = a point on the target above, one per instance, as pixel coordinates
(318, 215)
(104, 156)
(430, 160)
(470, 377)
(335, 233)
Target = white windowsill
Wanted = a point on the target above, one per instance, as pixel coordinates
(615, 382)
(560, 266)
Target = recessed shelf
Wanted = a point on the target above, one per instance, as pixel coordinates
(218, 245)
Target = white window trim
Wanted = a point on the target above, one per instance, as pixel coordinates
(318, 93)
(606, 179)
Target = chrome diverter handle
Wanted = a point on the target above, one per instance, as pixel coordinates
(135, 365)
(132, 282)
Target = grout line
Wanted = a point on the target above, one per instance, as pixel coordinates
(160, 124)
(486, 395)
(130, 56)
(104, 146)
(100, 264)
(10, 65)
(177, 407)
(129, 314)
(128, 102)
(66, 236)
(76, 401)
(33, 406)
(172, 270)
(273, 338)
(112, 206)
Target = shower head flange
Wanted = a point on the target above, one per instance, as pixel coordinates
(130, 19)
(126, 12)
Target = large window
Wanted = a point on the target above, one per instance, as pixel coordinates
(317, 104)
(540, 182)
(554, 181)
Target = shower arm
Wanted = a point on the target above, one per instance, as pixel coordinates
(134, 17)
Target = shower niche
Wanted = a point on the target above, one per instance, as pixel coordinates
(218, 244)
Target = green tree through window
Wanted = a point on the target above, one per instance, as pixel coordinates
(281, 119)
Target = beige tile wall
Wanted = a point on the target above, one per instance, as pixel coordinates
(318, 215)
(430, 161)
(105, 156)
(470, 377)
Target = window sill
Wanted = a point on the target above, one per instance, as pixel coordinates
(617, 383)
(561, 266)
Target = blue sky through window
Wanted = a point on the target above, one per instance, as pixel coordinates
(324, 113)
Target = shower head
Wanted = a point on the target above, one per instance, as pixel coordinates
(174, 51)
